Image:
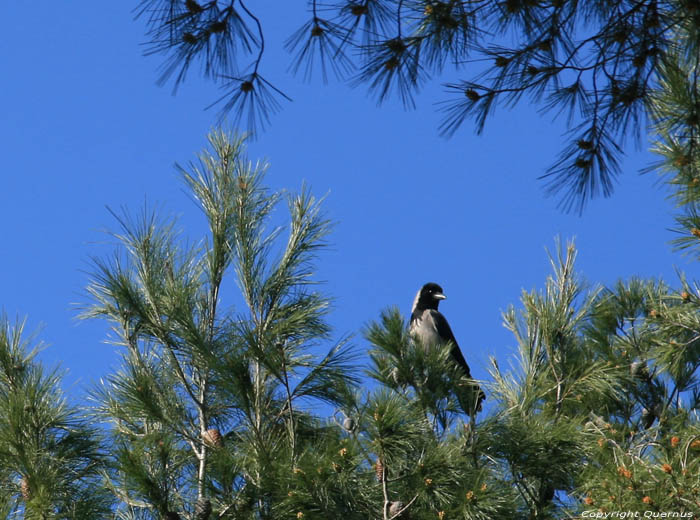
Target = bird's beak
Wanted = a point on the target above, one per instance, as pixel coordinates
(439, 296)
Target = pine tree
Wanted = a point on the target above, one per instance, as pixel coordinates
(605, 396)
(222, 407)
(51, 460)
(647, 457)
(598, 411)
(429, 462)
(675, 110)
(210, 411)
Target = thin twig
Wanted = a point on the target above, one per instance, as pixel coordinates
(260, 33)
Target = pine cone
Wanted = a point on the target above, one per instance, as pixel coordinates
(25, 489)
(212, 437)
(193, 6)
(358, 10)
(202, 509)
(379, 470)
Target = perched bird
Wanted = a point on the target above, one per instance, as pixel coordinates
(431, 328)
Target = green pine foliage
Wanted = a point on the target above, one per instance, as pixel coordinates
(644, 455)
(675, 111)
(51, 458)
(234, 401)
(597, 412)
(213, 401)
(215, 411)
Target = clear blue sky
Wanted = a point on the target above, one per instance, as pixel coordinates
(83, 126)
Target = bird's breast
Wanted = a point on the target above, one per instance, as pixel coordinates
(424, 327)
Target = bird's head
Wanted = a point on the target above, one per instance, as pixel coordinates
(428, 297)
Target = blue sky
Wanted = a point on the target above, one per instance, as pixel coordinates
(84, 127)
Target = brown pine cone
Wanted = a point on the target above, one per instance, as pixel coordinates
(379, 470)
(212, 437)
(25, 489)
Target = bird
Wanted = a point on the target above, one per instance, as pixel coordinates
(432, 329)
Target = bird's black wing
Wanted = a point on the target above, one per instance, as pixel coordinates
(445, 333)
(470, 397)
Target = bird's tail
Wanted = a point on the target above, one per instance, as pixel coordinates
(470, 396)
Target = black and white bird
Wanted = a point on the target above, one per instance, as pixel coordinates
(432, 329)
